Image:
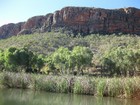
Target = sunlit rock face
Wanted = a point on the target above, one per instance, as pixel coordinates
(10, 29)
(83, 20)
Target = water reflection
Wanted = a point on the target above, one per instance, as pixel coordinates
(27, 97)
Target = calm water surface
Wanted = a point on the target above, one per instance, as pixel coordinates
(28, 97)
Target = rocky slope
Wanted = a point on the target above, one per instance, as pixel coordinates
(74, 20)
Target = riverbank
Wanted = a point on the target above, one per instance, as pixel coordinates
(97, 86)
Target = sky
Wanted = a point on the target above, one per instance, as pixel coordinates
(13, 11)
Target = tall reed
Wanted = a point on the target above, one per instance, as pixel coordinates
(83, 85)
(97, 86)
(53, 83)
(16, 80)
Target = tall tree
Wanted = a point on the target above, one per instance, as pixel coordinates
(82, 57)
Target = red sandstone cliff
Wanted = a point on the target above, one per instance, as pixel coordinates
(79, 20)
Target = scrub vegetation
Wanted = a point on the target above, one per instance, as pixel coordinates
(93, 64)
(113, 87)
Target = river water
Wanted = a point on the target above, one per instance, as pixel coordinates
(28, 97)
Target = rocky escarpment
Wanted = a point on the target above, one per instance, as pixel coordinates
(74, 20)
(10, 29)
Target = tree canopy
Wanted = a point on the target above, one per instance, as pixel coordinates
(67, 61)
(20, 59)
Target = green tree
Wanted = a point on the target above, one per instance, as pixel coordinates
(65, 61)
(37, 62)
(22, 60)
(1, 60)
(49, 66)
(121, 61)
(60, 59)
(10, 60)
(82, 57)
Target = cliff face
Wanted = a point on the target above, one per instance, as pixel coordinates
(10, 29)
(74, 20)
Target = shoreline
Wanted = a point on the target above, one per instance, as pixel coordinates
(96, 86)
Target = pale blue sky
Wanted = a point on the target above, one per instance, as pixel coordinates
(13, 11)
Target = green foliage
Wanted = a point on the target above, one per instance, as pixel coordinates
(83, 85)
(65, 61)
(10, 59)
(121, 61)
(17, 60)
(52, 83)
(1, 60)
(64, 84)
(80, 85)
(46, 84)
(37, 62)
(118, 54)
(82, 57)
(60, 59)
(101, 88)
(49, 67)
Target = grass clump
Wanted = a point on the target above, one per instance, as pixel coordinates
(114, 87)
(101, 87)
(97, 86)
(64, 84)
(53, 84)
(131, 86)
(16, 80)
(83, 85)
(45, 83)
(118, 87)
(1, 79)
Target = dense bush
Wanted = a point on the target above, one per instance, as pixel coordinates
(122, 61)
(65, 61)
(17, 60)
(62, 61)
(104, 48)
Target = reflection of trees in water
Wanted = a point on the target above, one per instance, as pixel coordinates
(26, 97)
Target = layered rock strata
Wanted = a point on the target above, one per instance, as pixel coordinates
(83, 20)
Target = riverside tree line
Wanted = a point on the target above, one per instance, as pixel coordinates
(118, 61)
(62, 61)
